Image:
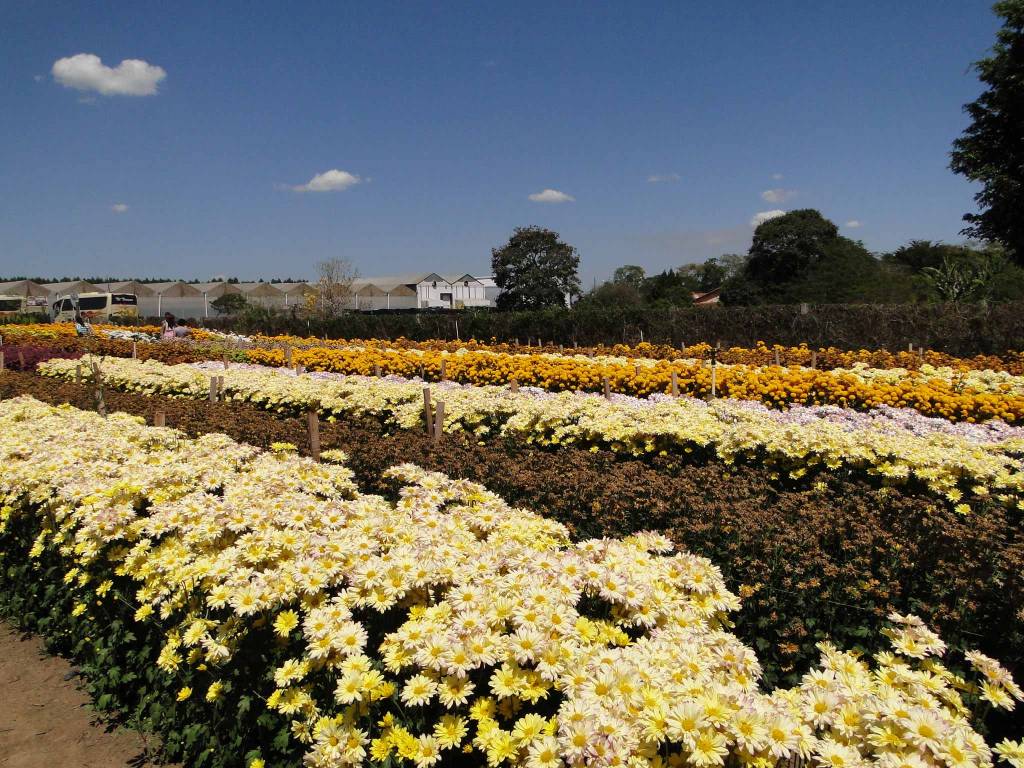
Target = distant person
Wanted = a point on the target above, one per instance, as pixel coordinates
(82, 326)
(167, 326)
(180, 329)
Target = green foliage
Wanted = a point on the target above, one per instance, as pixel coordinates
(784, 248)
(630, 274)
(991, 149)
(535, 269)
(229, 304)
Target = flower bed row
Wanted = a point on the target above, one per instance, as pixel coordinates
(827, 560)
(825, 358)
(955, 467)
(956, 395)
(447, 623)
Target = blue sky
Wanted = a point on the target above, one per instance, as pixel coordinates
(670, 125)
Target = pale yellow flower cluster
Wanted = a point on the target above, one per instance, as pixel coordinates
(447, 620)
(951, 465)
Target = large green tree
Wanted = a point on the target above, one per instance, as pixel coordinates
(991, 149)
(785, 247)
(535, 269)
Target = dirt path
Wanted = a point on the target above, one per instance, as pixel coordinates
(44, 719)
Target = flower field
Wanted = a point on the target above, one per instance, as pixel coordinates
(956, 390)
(289, 614)
(961, 462)
(592, 563)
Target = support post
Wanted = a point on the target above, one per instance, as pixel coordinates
(513, 384)
(426, 409)
(675, 384)
(439, 421)
(135, 350)
(213, 389)
(607, 388)
(159, 419)
(313, 428)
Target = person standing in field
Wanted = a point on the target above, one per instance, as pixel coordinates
(167, 326)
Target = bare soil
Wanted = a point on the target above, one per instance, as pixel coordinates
(46, 721)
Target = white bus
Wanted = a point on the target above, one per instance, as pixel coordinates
(95, 307)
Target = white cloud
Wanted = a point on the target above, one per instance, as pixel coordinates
(658, 178)
(778, 176)
(119, 207)
(87, 72)
(761, 217)
(778, 195)
(551, 196)
(853, 223)
(329, 181)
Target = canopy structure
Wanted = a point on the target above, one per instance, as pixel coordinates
(217, 289)
(72, 286)
(176, 289)
(132, 286)
(24, 288)
(294, 293)
(261, 290)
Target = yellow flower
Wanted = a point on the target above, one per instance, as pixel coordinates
(285, 622)
(184, 693)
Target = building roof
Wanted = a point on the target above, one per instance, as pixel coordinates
(24, 288)
(217, 289)
(175, 289)
(261, 290)
(72, 286)
(289, 288)
(132, 286)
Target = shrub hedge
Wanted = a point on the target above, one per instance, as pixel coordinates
(959, 329)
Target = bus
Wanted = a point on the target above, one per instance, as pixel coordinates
(21, 305)
(95, 307)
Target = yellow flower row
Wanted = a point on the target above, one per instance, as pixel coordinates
(447, 621)
(932, 393)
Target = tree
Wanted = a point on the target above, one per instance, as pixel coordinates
(612, 294)
(991, 149)
(785, 247)
(669, 288)
(535, 269)
(334, 287)
(229, 304)
(630, 274)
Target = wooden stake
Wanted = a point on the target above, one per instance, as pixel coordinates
(607, 389)
(439, 421)
(636, 369)
(213, 389)
(714, 380)
(921, 350)
(78, 373)
(376, 370)
(513, 385)
(814, 359)
(675, 384)
(226, 363)
(910, 346)
(159, 419)
(423, 373)
(21, 359)
(777, 363)
(443, 361)
(288, 356)
(220, 387)
(101, 405)
(426, 409)
(313, 428)
(135, 350)
(1, 360)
